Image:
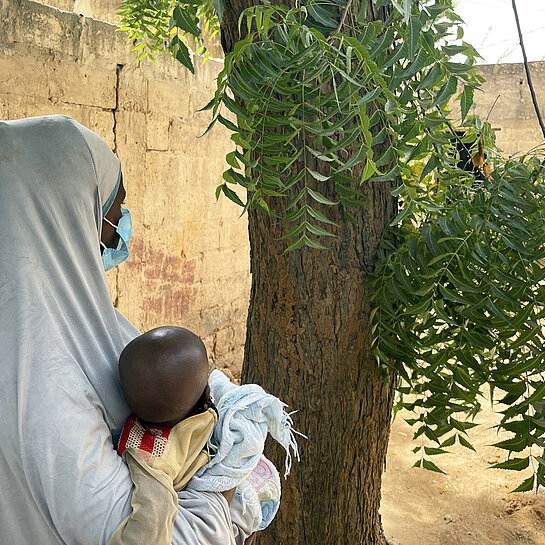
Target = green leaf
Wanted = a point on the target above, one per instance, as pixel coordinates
(305, 241)
(317, 175)
(319, 155)
(356, 158)
(526, 486)
(208, 106)
(430, 466)
(234, 107)
(184, 21)
(390, 107)
(296, 198)
(362, 13)
(422, 60)
(415, 26)
(516, 444)
(446, 91)
(457, 67)
(388, 176)
(404, 9)
(233, 177)
(371, 95)
(219, 8)
(141, 56)
(449, 442)
(368, 170)
(317, 215)
(182, 56)
(420, 148)
(231, 195)
(229, 124)
(431, 165)
(323, 15)
(209, 128)
(433, 75)
(399, 52)
(297, 244)
(315, 230)
(402, 215)
(231, 160)
(432, 451)
(318, 197)
(515, 464)
(260, 204)
(466, 100)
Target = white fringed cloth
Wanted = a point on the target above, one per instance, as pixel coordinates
(246, 415)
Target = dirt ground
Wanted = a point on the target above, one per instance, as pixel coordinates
(469, 505)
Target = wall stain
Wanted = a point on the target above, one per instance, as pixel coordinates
(169, 293)
(172, 306)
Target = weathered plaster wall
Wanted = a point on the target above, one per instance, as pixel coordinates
(513, 117)
(101, 10)
(189, 260)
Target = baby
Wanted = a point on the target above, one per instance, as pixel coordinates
(164, 377)
(167, 441)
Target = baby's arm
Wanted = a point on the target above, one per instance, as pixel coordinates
(154, 505)
(160, 460)
(241, 518)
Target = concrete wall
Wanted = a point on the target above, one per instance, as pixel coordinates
(513, 117)
(189, 261)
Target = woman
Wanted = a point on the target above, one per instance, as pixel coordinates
(60, 338)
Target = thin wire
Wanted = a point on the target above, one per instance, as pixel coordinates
(527, 69)
(529, 77)
(511, 38)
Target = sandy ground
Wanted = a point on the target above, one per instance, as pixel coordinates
(469, 505)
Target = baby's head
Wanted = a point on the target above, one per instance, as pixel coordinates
(164, 374)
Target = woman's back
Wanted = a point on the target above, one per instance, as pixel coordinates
(59, 338)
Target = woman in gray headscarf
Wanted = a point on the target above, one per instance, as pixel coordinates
(61, 404)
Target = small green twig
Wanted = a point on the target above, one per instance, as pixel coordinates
(344, 16)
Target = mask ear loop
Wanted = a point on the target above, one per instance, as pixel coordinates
(114, 226)
(108, 221)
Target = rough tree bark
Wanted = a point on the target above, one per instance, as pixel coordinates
(308, 342)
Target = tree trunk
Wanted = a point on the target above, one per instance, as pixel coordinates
(309, 342)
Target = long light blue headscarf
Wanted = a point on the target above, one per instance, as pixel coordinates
(60, 337)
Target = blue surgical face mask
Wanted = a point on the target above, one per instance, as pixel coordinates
(112, 257)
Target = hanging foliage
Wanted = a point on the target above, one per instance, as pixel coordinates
(459, 302)
(169, 25)
(359, 101)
